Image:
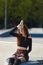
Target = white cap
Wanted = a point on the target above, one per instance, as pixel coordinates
(21, 23)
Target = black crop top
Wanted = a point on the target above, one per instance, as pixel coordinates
(24, 43)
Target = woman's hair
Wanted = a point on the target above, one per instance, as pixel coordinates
(26, 32)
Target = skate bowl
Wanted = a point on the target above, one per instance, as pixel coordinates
(39, 33)
(8, 47)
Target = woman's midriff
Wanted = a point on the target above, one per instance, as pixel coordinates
(21, 48)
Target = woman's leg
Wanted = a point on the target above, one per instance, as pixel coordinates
(10, 61)
(26, 56)
(22, 59)
(17, 62)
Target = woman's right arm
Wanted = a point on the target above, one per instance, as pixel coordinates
(14, 32)
(30, 45)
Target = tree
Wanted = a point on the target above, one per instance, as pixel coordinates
(2, 7)
(31, 11)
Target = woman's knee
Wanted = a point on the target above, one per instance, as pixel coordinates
(10, 60)
(17, 61)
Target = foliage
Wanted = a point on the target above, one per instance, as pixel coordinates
(31, 11)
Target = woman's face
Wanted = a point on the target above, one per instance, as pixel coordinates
(22, 31)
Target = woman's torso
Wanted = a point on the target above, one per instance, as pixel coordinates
(23, 42)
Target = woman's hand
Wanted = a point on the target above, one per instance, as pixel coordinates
(20, 26)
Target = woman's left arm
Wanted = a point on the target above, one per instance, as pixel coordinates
(30, 45)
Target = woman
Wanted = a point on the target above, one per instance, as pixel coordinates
(24, 44)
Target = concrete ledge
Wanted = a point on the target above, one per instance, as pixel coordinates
(30, 63)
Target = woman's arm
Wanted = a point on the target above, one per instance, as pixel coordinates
(30, 45)
(14, 32)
